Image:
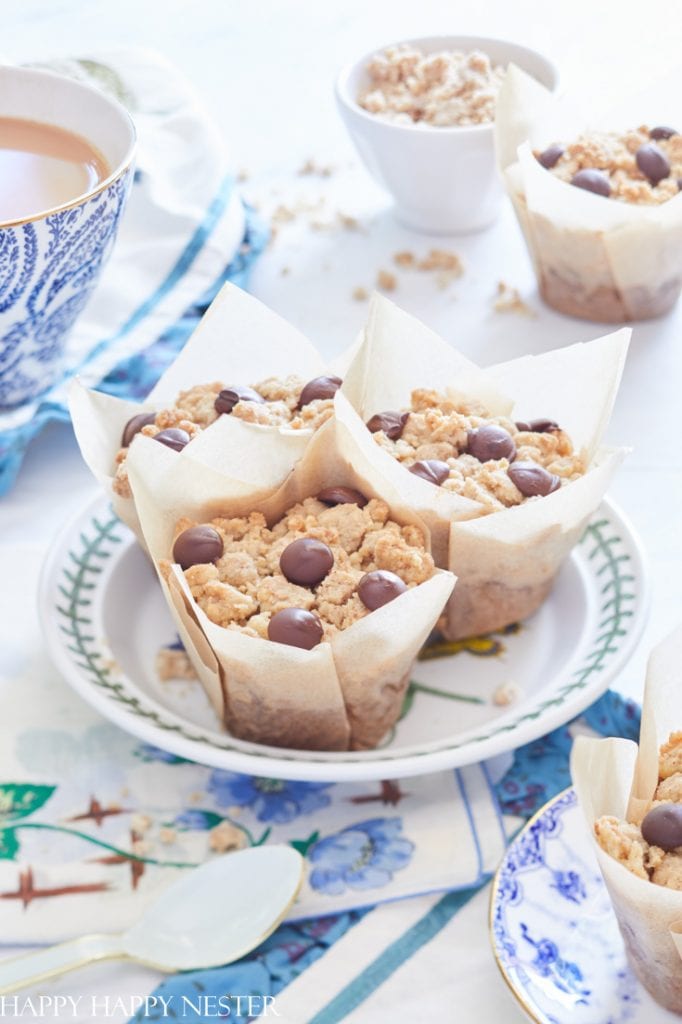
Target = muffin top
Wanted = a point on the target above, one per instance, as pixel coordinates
(444, 89)
(326, 563)
(652, 848)
(643, 166)
(290, 402)
(459, 446)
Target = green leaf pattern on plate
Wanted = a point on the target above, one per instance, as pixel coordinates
(605, 549)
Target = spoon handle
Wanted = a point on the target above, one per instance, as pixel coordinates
(43, 964)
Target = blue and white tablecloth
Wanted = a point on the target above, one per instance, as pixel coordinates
(394, 962)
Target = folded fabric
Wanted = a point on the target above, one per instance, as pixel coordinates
(411, 959)
(184, 233)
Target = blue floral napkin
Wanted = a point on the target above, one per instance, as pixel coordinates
(184, 233)
(539, 771)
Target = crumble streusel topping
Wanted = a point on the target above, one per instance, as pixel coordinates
(246, 586)
(441, 432)
(625, 840)
(642, 166)
(197, 408)
(173, 663)
(436, 89)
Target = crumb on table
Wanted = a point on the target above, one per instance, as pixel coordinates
(508, 300)
(386, 281)
(140, 823)
(225, 838)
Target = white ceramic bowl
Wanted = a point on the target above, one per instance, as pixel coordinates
(443, 180)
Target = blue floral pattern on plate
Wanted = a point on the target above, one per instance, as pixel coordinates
(554, 933)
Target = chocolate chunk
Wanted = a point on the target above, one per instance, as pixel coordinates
(342, 496)
(491, 442)
(593, 181)
(173, 437)
(538, 426)
(378, 588)
(661, 132)
(543, 426)
(392, 423)
(551, 156)
(652, 162)
(319, 387)
(679, 184)
(433, 470)
(228, 398)
(197, 546)
(135, 425)
(295, 627)
(306, 561)
(532, 479)
(662, 826)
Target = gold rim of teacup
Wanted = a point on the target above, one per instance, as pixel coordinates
(121, 168)
(84, 198)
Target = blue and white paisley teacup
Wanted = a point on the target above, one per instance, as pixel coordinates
(50, 262)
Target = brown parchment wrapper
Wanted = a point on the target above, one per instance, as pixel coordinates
(603, 260)
(343, 694)
(506, 561)
(617, 777)
(238, 340)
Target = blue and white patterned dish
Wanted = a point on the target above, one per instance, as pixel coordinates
(554, 934)
(50, 262)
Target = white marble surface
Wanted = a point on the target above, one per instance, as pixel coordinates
(265, 71)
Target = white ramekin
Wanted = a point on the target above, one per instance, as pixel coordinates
(443, 180)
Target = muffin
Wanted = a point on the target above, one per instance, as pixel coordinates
(506, 485)
(302, 610)
(600, 210)
(631, 797)
(291, 403)
(263, 376)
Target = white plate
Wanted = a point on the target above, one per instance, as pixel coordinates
(105, 619)
(554, 934)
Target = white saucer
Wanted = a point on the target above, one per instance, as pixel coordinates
(105, 619)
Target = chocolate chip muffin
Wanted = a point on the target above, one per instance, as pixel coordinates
(328, 562)
(652, 848)
(609, 248)
(640, 166)
(290, 402)
(457, 445)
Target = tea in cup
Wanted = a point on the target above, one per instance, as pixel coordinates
(66, 155)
